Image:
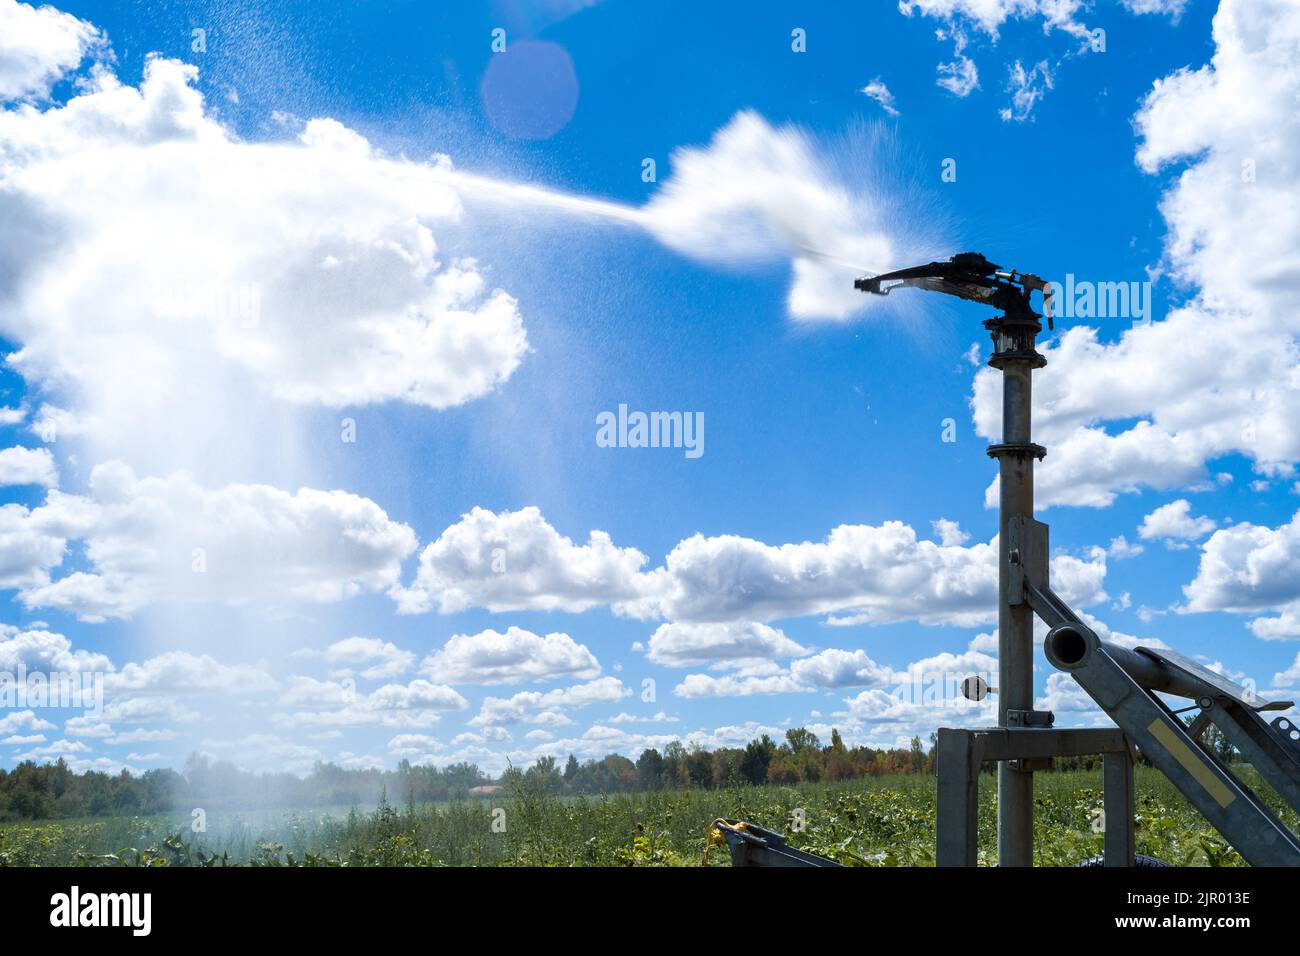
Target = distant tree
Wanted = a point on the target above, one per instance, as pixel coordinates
(839, 766)
(674, 773)
(699, 767)
(812, 764)
(544, 774)
(511, 778)
(784, 769)
(801, 738)
(917, 754)
(621, 771)
(571, 770)
(758, 754)
(726, 766)
(650, 769)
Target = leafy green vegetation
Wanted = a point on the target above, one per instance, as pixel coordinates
(53, 791)
(872, 821)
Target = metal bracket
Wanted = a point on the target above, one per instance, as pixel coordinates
(1027, 542)
(1288, 731)
(1030, 718)
(1032, 764)
(1198, 726)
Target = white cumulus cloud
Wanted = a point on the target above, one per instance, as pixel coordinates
(721, 644)
(170, 539)
(1175, 521)
(28, 466)
(517, 561)
(1250, 568)
(491, 657)
(38, 45)
(192, 270)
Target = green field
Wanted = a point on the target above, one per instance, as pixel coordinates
(883, 821)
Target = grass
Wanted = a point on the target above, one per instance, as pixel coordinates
(885, 821)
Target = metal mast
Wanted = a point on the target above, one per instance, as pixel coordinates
(1015, 357)
(971, 276)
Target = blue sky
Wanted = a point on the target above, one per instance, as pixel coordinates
(205, 432)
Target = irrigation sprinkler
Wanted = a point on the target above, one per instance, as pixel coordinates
(1126, 682)
(971, 276)
(1123, 681)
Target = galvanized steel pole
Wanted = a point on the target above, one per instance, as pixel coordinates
(971, 276)
(1014, 355)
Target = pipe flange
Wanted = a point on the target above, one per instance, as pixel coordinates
(1020, 448)
(1033, 358)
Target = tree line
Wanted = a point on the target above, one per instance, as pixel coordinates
(32, 791)
(799, 757)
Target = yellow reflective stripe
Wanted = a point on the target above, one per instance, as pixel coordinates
(1193, 764)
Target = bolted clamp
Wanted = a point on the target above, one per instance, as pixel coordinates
(1030, 718)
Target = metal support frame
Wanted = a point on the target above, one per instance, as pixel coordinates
(1276, 762)
(1117, 808)
(960, 754)
(1124, 682)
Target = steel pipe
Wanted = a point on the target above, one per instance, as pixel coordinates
(1069, 647)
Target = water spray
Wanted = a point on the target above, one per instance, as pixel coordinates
(504, 191)
(754, 194)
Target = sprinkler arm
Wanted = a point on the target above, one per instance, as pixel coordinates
(967, 275)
